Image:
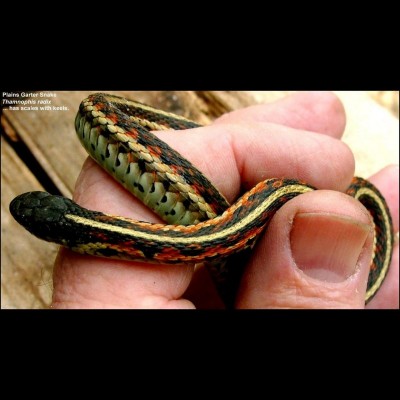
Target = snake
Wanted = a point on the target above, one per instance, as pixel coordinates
(200, 225)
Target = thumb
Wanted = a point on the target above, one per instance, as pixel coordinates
(316, 253)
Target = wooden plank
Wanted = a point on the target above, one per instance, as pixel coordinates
(49, 135)
(26, 262)
(219, 102)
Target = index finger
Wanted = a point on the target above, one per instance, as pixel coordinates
(231, 155)
(320, 112)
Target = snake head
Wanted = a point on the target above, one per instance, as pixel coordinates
(42, 214)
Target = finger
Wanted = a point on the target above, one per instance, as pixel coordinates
(316, 253)
(233, 155)
(321, 112)
(387, 181)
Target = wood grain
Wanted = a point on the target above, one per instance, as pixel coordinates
(26, 263)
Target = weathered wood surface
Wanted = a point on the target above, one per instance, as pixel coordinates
(26, 262)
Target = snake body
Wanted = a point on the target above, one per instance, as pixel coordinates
(201, 225)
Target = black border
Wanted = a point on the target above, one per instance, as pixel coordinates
(294, 324)
(268, 351)
(242, 69)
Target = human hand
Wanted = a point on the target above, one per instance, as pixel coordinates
(315, 252)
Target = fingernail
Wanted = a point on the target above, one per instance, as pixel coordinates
(327, 247)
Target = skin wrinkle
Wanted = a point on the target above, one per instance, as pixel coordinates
(237, 150)
(78, 287)
(252, 147)
(228, 146)
(173, 284)
(119, 293)
(62, 295)
(301, 293)
(184, 281)
(245, 142)
(334, 163)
